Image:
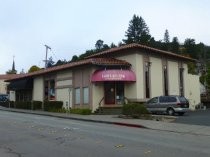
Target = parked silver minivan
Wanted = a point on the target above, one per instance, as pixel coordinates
(168, 104)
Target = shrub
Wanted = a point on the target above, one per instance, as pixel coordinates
(134, 110)
(52, 105)
(36, 105)
(81, 111)
(23, 105)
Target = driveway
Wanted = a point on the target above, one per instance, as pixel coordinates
(198, 117)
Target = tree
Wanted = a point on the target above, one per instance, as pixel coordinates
(166, 38)
(190, 47)
(11, 72)
(175, 45)
(60, 62)
(166, 41)
(50, 62)
(33, 69)
(74, 58)
(112, 45)
(99, 44)
(137, 32)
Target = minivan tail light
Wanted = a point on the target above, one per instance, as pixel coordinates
(178, 104)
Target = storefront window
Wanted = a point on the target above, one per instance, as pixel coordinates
(77, 96)
(49, 89)
(85, 95)
(120, 92)
(52, 89)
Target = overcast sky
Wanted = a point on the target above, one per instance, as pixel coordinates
(70, 27)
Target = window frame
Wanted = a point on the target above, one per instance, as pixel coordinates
(77, 93)
(87, 96)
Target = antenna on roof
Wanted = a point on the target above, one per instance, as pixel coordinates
(46, 60)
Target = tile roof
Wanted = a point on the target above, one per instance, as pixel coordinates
(134, 45)
(9, 76)
(93, 61)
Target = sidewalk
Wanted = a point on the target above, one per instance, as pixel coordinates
(114, 119)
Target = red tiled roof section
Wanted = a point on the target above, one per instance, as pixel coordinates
(9, 76)
(94, 61)
(109, 61)
(134, 45)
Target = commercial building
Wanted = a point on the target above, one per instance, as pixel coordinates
(128, 73)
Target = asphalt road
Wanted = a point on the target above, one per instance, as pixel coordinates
(25, 135)
(199, 117)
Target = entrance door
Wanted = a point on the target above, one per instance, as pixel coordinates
(109, 92)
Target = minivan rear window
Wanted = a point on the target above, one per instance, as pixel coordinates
(182, 99)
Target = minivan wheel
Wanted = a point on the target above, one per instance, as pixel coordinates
(170, 111)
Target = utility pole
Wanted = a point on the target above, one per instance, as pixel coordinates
(47, 47)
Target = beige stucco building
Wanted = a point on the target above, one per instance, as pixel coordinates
(128, 73)
(3, 84)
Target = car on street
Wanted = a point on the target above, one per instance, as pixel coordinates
(168, 104)
(4, 98)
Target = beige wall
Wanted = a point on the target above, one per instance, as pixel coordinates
(97, 95)
(65, 95)
(173, 78)
(192, 90)
(64, 74)
(64, 83)
(38, 89)
(135, 90)
(64, 88)
(156, 77)
(3, 87)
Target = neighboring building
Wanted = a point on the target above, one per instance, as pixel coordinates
(3, 85)
(131, 72)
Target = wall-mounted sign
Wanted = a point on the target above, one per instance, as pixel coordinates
(113, 75)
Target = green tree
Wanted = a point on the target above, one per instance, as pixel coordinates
(60, 62)
(175, 46)
(74, 58)
(166, 38)
(33, 69)
(11, 72)
(190, 47)
(99, 44)
(137, 31)
(50, 62)
(112, 45)
(166, 41)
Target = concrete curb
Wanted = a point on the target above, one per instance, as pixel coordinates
(74, 118)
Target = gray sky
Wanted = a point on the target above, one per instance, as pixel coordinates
(70, 27)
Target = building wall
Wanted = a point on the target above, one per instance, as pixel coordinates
(192, 90)
(3, 87)
(38, 89)
(64, 88)
(135, 90)
(97, 95)
(156, 77)
(173, 78)
(81, 80)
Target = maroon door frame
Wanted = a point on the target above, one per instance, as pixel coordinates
(109, 93)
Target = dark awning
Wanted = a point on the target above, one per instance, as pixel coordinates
(113, 75)
(20, 84)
